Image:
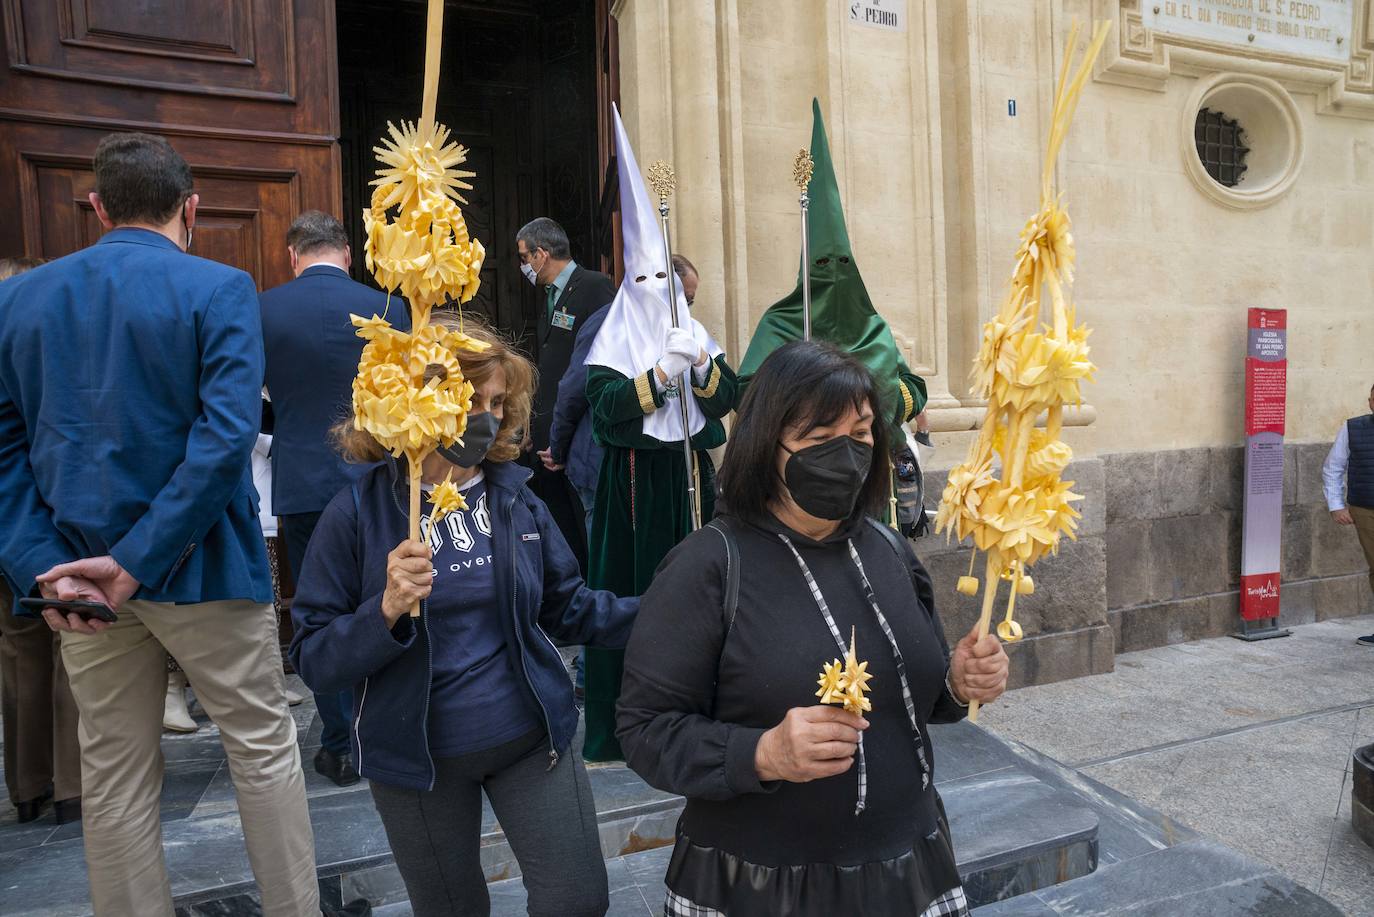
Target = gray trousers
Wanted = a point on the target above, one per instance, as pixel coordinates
(548, 817)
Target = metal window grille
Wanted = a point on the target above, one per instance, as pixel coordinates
(1221, 147)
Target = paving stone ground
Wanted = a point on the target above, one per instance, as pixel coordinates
(1248, 743)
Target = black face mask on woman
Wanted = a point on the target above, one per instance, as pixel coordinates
(825, 480)
(481, 433)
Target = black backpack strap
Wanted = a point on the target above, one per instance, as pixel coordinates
(732, 572)
(890, 535)
(896, 542)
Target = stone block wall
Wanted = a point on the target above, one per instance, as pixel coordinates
(1157, 561)
(1173, 539)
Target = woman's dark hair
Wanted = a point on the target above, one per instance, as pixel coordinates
(801, 386)
(140, 178)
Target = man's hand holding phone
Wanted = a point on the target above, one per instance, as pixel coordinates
(94, 579)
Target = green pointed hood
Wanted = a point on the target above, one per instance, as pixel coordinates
(841, 311)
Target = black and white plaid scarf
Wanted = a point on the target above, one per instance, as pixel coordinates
(896, 656)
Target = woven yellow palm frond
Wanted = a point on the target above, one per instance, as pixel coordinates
(1007, 495)
(410, 394)
(426, 253)
(847, 684)
(446, 498)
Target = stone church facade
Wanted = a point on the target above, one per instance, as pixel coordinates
(937, 130)
(936, 112)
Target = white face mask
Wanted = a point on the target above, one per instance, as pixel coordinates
(530, 275)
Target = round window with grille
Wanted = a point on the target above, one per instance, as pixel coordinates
(1221, 147)
(1242, 140)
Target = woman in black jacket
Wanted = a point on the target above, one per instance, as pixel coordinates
(789, 811)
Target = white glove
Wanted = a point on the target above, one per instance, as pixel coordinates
(681, 342)
(674, 365)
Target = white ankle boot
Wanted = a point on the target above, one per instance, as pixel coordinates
(175, 716)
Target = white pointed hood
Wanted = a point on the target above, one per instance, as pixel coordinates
(630, 341)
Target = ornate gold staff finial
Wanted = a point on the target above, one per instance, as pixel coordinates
(662, 180)
(802, 169)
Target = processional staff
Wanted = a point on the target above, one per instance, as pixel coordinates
(663, 181)
(801, 174)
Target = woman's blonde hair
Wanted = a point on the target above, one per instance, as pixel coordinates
(358, 446)
(10, 267)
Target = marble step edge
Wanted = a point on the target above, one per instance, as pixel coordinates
(644, 832)
(1193, 878)
(1047, 818)
(624, 830)
(496, 837)
(1158, 829)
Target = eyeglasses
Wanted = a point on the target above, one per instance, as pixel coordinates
(524, 257)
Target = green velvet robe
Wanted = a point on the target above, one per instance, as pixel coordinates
(641, 509)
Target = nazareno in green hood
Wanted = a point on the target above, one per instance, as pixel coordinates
(841, 311)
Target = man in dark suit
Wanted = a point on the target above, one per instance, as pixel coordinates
(130, 400)
(571, 293)
(312, 357)
(572, 450)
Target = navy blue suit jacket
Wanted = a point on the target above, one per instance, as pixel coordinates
(312, 356)
(570, 434)
(130, 399)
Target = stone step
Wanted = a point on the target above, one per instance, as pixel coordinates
(1196, 878)
(208, 864)
(1016, 834)
(1040, 835)
(631, 817)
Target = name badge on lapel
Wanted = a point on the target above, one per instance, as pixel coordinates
(564, 320)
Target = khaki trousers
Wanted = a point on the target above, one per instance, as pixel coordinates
(38, 710)
(1364, 527)
(119, 677)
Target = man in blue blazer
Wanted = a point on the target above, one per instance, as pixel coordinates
(312, 356)
(130, 394)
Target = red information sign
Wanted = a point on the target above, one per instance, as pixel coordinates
(1266, 385)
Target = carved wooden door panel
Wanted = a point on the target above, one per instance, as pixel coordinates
(246, 90)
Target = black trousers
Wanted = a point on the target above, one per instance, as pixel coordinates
(335, 709)
(548, 816)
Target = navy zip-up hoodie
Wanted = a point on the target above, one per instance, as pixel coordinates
(342, 640)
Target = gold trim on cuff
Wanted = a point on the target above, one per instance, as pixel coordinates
(645, 390)
(908, 403)
(712, 383)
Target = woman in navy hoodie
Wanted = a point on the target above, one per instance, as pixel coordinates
(471, 696)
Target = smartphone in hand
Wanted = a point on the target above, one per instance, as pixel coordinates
(98, 610)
